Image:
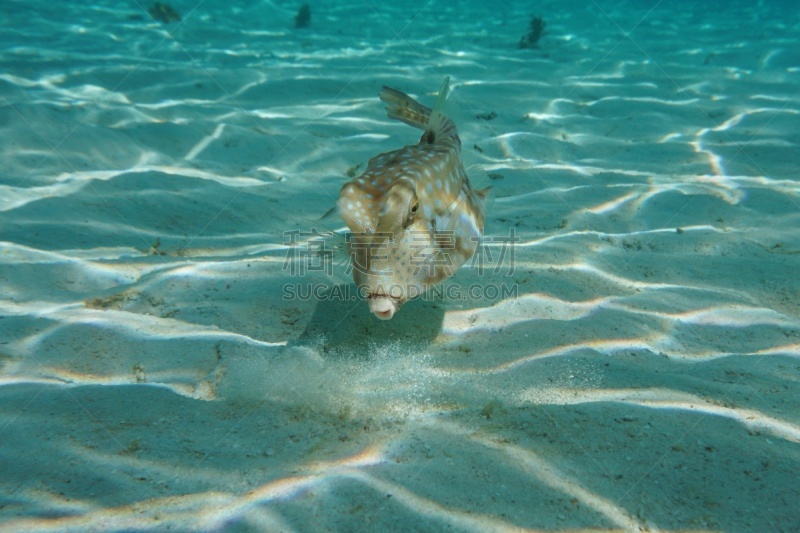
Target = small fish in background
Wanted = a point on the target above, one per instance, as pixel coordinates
(414, 217)
(164, 13)
(303, 17)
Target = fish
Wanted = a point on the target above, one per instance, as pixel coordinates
(414, 218)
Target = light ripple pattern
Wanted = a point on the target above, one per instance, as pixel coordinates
(622, 354)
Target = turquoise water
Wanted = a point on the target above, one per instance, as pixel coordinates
(624, 355)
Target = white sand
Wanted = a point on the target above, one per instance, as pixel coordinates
(645, 378)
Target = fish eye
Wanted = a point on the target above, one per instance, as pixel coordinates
(415, 207)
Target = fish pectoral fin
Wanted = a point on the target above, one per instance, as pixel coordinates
(486, 196)
(330, 212)
(333, 245)
(320, 243)
(340, 247)
(457, 205)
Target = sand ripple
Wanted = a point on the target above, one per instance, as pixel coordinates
(631, 363)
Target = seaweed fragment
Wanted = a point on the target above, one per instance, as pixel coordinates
(164, 13)
(303, 17)
(535, 32)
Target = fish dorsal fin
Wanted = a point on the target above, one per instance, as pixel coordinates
(437, 119)
(441, 98)
(439, 125)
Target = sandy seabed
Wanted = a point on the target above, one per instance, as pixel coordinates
(630, 362)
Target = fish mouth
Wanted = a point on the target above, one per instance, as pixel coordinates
(383, 306)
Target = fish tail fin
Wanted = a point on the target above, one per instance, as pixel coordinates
(404, 108)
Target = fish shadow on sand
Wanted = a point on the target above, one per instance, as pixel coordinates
(344, 326)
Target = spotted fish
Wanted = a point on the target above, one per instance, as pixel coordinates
(413, 215)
